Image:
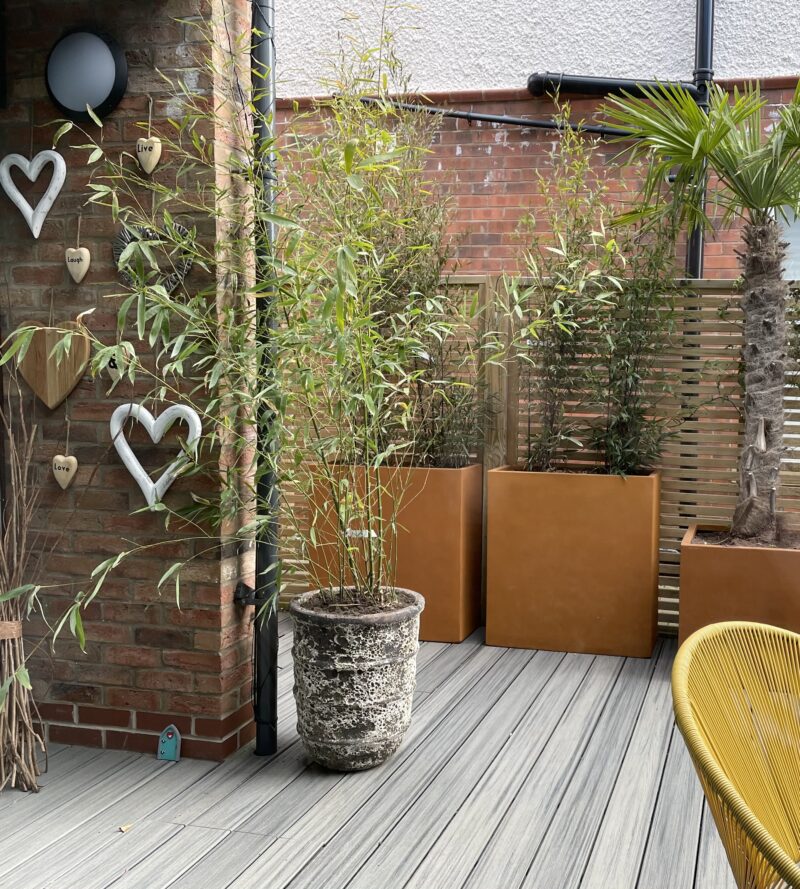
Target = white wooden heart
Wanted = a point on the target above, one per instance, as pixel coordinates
(78, 260)
(64, 469)
(148, 153)
(34, 217)
(156, 428)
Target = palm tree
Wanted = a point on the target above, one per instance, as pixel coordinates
(753, 174)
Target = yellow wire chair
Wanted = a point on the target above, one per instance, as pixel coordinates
(736, 693)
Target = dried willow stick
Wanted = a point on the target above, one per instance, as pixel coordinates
(19, 561)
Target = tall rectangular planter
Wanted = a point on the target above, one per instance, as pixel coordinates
(756, 583)
(438, 546)
(572, 561)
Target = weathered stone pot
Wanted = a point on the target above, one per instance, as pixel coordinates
(354, 680)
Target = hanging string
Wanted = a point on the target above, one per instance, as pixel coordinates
(80, 218)
(67, 422)
(149, 116)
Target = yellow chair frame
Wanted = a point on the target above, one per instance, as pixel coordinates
(736, 694)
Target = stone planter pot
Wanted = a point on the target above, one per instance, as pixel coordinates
(354, 680)
(756, 583)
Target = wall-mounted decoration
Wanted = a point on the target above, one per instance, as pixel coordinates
(86, 68)
(34, 217)
(51, 379)
(115, 368)
(77, 258)
(181, 267)
(148, 153)
(156, 429)
(169, 744)
(64, 469)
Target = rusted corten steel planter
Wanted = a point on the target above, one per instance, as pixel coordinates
(572, 561)
(754, 583)
(438, 546)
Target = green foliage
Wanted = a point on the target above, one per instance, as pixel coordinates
(753, 175)
(375, 355)
(332, 335)
(594, 317)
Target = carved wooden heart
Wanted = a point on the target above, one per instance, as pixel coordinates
(64, 469)
(52, 380)
(77, 260)
(148, 153)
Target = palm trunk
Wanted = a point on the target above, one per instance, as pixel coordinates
(763, 354)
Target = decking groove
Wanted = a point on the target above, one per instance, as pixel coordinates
(521, 770)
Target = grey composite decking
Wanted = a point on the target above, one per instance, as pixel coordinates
(521, 770)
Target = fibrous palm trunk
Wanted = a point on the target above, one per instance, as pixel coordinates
(764, 354)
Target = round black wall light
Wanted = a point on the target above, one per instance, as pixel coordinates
(86, 68)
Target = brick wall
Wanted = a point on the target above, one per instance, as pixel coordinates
(148, 662)
(490, 172)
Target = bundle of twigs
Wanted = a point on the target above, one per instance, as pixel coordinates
(19, 555)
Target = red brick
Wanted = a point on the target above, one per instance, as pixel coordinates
(221, 728)
(133, 699)
(164, 637)
(199, 749)
(57, 712)
(157, 722)
(131, 656)
(166, 680)
(74, 734)
(196, 661)
(104, 716)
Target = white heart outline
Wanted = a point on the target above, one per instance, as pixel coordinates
(156, 429)
(32, 169)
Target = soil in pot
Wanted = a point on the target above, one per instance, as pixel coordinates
(355, 674)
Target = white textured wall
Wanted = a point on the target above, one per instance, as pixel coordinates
(485, 44)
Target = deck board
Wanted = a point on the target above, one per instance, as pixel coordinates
(520, 770)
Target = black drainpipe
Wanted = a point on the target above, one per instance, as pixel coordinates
(505, 119)
(549, 84)
(265, 642)
(703, 75)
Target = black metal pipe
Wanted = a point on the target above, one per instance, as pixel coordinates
(595, 129)
(549, 83)
(265, 630)
(703, 75)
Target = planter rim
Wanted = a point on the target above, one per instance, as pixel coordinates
(397, 615)
(688, 541)
(517, 470)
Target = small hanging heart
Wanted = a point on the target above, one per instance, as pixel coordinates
(156, 428)
(78, 260)
(64, 469)
(115, 368)
(34, 217)
(148, 153)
